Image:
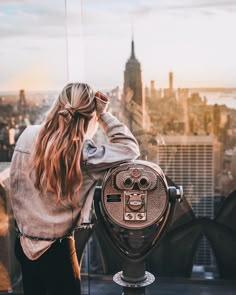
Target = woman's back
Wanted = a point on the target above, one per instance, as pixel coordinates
(42, 215)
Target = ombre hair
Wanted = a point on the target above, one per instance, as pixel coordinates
(56, 160)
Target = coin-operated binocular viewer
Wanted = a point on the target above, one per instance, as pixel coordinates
(135, 208)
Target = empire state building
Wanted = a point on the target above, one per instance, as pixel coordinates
(133, 101)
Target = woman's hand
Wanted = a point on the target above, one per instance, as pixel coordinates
(101, 103)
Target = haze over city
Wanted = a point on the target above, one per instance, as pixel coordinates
(192, 40)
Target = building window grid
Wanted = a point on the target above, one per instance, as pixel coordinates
(192, 167)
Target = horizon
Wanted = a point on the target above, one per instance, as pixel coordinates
(213, 89)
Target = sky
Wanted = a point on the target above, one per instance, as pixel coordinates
(45, 44)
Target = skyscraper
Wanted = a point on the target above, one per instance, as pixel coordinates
(189, 161)
(22, 105)
(133, 99)
(133, 78)
(153, 89)
(170, 84)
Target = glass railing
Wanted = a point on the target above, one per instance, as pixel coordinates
(169, 72)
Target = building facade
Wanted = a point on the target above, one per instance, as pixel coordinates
(189, 161)
(133, 98)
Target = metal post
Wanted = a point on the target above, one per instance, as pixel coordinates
(133, 272)
(133, 278)
(137, 291)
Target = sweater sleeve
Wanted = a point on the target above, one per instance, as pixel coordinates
(122, 146)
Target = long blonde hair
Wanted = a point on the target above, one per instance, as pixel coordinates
(57, 154)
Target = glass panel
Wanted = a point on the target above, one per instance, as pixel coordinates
(168, 68)
(181, 106)
(33, 60)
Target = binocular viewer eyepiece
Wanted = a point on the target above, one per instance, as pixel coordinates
(135, 195)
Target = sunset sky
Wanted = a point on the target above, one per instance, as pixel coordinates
(194, 39)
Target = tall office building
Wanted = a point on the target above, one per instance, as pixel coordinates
(153, 89)
(22, 105)
(189, 161)
(171, 90)
(133, 78)
(133, 98)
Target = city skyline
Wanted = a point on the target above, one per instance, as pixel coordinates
(193, 41)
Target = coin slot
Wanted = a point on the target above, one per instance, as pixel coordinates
(113, 198)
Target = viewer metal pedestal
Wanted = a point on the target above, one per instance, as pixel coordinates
(134, 279)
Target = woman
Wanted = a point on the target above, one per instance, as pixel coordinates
(53, 176)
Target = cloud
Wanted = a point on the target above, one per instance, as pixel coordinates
(147, 7)
(203, 4)
(32, 48)
(7, 32)
(47, 20)
(35, 18)
(7, 2)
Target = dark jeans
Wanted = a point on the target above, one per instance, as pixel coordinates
(56, 272)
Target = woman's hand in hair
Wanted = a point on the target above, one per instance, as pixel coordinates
(101, 103)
